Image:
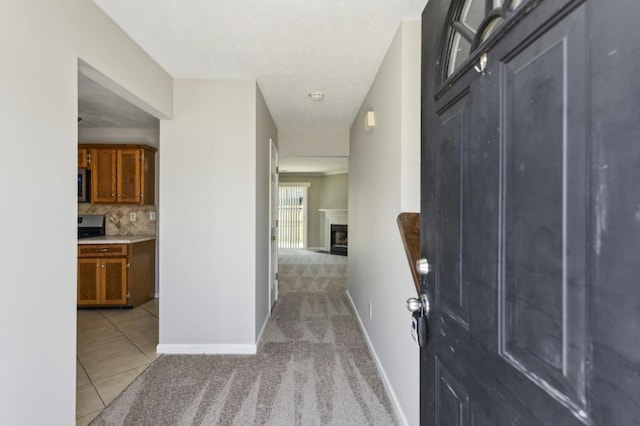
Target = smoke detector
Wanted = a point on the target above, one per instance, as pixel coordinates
(316, 96)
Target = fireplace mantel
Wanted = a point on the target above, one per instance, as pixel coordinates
(337, 214)
(333, 217)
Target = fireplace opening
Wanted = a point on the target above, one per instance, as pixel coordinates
(339, 239)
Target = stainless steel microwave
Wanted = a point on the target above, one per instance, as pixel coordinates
(84, 186)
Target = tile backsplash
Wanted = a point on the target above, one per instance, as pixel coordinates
(118, 218)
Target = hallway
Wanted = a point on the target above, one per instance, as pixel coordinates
(313, 367)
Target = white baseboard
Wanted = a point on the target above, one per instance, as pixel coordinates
(394, 399)
(214, 349)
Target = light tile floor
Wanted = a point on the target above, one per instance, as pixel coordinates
(114, 347)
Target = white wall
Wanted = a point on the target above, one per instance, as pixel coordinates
(265, 130)
(37, 167)
(335, 190)
(40, 44)
(313, 142)
(384, 180)
(207, 218)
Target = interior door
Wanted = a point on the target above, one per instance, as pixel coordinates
(273, 220)
(530, 212)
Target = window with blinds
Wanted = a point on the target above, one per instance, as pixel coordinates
(292, 210)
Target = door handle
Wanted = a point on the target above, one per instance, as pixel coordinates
(421, 304)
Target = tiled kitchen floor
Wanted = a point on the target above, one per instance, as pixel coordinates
(114, 347)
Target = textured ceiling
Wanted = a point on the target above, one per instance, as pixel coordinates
(291, 47)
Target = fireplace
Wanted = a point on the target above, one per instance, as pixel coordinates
(339, 239)
(336, 221)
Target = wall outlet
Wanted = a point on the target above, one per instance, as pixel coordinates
(370, 309)
(152, 215)
(132, 216)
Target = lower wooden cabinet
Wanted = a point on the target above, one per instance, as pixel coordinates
(116, 274)
(102, 281)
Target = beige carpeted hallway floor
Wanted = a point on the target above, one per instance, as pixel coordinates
(313, 368)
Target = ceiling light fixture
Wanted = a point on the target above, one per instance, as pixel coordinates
(316, 96)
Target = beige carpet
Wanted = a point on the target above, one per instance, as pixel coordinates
(314, 367)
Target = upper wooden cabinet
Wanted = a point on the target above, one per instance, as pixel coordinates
(122, 174)
(103, 175)
(130, 180)
(83, 158)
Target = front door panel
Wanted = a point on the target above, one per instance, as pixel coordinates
(451, 294)
(543, 294)
(514, 206)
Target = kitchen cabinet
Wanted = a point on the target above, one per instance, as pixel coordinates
(116, 274)
(83, 158)
(102, 274)
(130, 178)
(122, 174)
(102, 281)
(103, 176)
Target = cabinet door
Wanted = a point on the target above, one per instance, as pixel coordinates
(83, 158)
(103, 175)
(89, 273)
(129, 175)
(114, 281)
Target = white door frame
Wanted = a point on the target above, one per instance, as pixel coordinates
(273, 225)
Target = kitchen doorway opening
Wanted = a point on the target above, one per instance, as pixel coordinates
(292, 215)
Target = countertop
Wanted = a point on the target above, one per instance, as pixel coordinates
(117, 239)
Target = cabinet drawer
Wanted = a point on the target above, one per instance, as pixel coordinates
(102, 250)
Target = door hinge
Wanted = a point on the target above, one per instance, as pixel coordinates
(128, 295)
(277, 169)
(128, 265)
(276, 276)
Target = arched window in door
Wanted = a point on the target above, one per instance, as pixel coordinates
(470, 23)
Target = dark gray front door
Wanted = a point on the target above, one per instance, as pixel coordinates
(531, 212)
